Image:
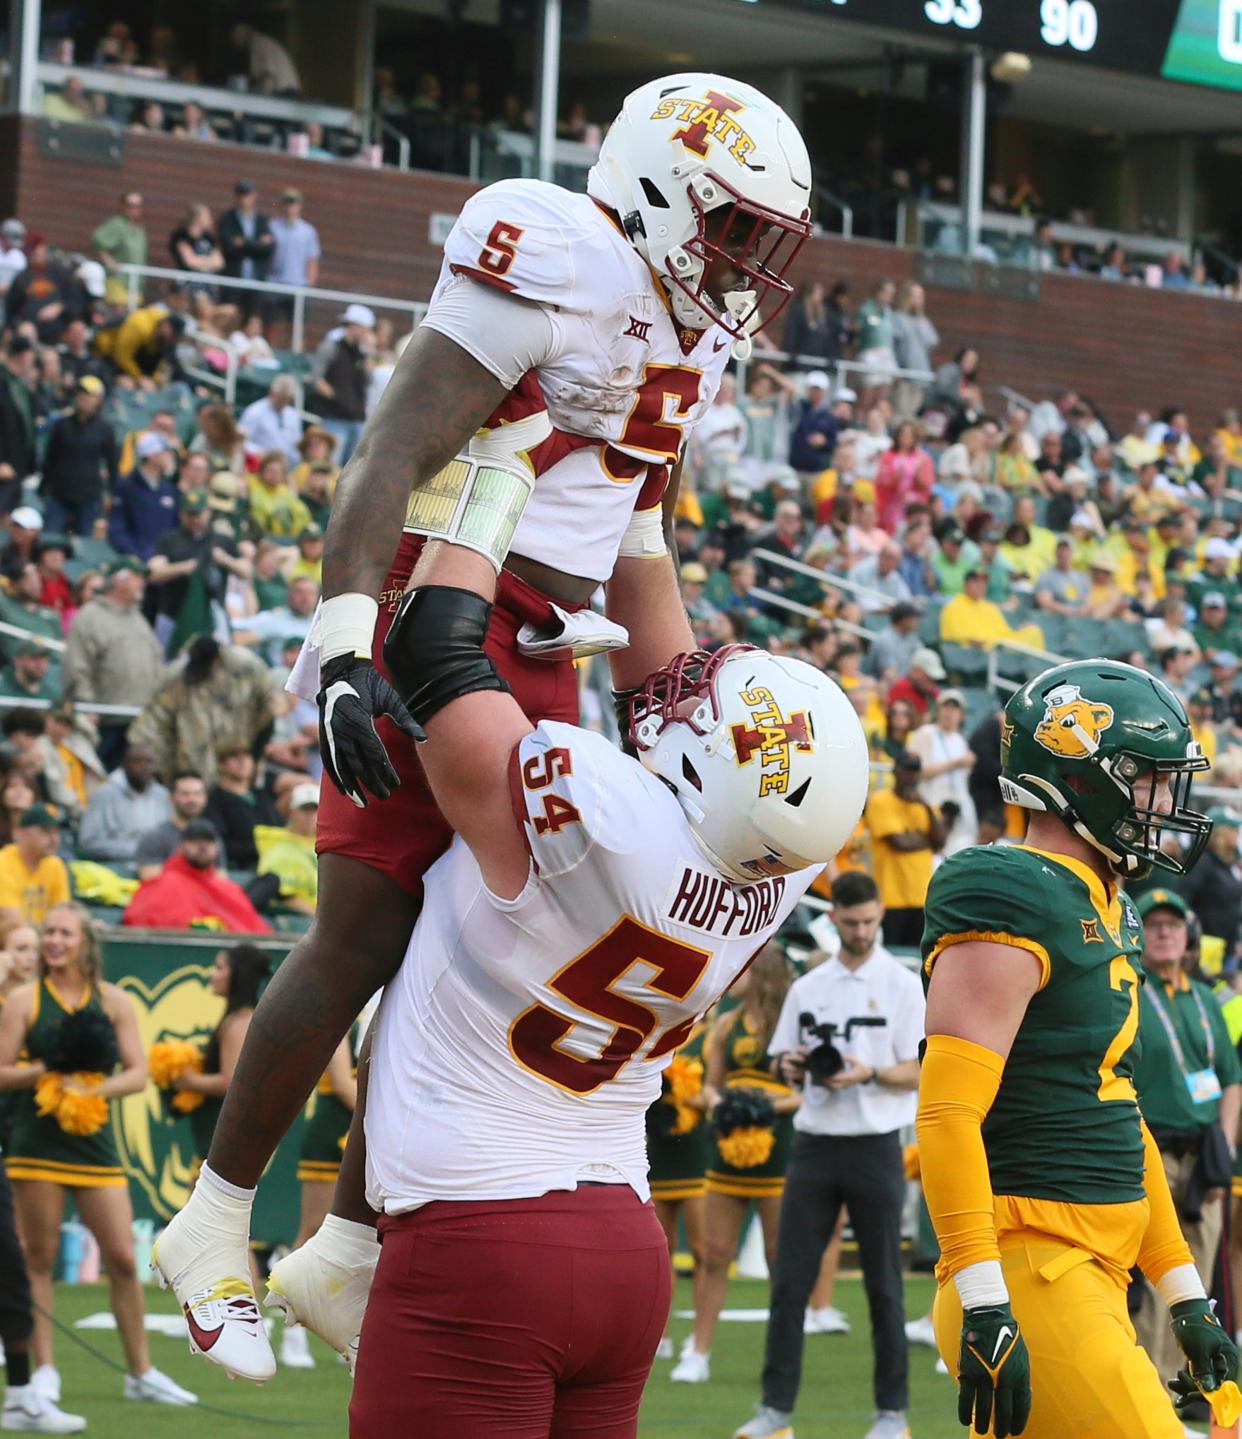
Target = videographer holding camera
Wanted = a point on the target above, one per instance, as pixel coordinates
(849, 1034)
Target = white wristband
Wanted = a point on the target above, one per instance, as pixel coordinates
(981, 1284)
(643, 538)
(347, 626)
(1181, 1282)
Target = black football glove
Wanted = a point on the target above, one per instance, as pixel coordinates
(994, 1372)
(1211, 1354)
(352, 695)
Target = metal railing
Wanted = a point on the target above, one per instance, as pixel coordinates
(300, 294)
(807, 612)
(829, 581)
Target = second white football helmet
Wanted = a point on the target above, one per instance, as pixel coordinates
(765, 754)
(699, 167)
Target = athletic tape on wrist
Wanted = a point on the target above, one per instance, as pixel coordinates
(981, 1284)
(347, 626)
(1180, 1283)
(644, 536)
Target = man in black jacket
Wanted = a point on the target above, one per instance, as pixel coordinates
(1213, 889)
(340, 378)
(17, 421)
(81, 458)
(246, 241)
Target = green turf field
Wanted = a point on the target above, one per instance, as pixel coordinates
(836, 1397)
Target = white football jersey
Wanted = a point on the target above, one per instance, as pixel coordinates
(620, 386)
(522, 1041)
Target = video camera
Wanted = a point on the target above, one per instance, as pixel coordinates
(823, 1058)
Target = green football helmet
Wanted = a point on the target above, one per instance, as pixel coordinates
(1087, 741)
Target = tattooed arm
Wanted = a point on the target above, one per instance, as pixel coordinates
(435, 401)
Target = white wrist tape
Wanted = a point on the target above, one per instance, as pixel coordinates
(644, 535)
(347, 626)
(478, 498)
(1181, 1282)
(981, 1284)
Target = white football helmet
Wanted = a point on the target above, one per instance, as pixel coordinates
(765, 754)
(700, 168)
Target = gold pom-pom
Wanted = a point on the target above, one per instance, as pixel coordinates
(48, 1093)
(685, 1078)
(687, 1118)
(910, 1161)
(746, 1148)
(185, 1101)
(82, 1111)
(171, 1058)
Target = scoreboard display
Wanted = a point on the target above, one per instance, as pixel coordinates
(1196, 41)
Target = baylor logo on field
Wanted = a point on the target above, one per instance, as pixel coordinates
(154, 1149)
(1072, 726)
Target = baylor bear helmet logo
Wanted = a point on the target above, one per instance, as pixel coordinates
(1072, 726)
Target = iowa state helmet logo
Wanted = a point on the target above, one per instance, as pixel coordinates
(770, 736)
(1072, 726)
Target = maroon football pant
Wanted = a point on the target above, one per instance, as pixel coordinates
(513, 1319)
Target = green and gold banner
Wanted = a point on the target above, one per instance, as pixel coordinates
(167, 976)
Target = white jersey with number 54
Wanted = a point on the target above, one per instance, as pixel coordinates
(622, 383)
(522, 1041)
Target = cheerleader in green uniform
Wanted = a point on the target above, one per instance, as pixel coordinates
(737, 1057)
(678, 1145)
(62, 1135)
(237, 977)
(328, 1117)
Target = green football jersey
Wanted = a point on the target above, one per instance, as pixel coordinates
(1065, 1123)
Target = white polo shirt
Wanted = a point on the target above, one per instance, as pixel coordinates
(878, 1013)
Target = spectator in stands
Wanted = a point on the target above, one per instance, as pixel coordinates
(112, 656)
(906, 835)
(1062, 590)
(1000, 575)
(33, 877)
(1176, 664)
(188, 797)
(1029, 547)
(295, 258)
(189, 573)
(815, 334)
(269, 65)
(316, 448)
(190, 892)
(219, 439)
(919, 687)
(193, 246)
(43, 294)
(905, 476)
(1213, 888)
(144, 505)
(881, 574)
(972, 619)
(27, 677)
(917, 548)
(24, 607)
(269, 629)
(80, 465)
(130, 802)
(1226, 703)
(247, 241)
(143, 346)
(1015, 471)
(914, 339)
(274, 508)
(815, 433)
(947, 761)
(17, 420)
(287, 852)
(891, 651)
(1169, 630)
(1106, 600)
(719, 438)
(50, 554)
(952, 559)
(951, 390)
(213, 694)
(234, 807)
(873, 324)
(340, 378)
(122, 240)
(194, 124)
(1173, 272)
(12, 251)
(309, 563)
(1216, 627)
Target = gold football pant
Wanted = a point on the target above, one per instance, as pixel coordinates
(1089, 1378)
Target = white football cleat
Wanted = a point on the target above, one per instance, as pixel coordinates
(692, 1368)
(767, 1424)
(26, 1411)
(203, 1257)
(157, 1388)
(295, 1348)
(828, 1320)
(921, 1331)
(45, 1381)
(324, 1285)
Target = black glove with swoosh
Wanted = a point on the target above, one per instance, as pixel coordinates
(352, 695)
(994, 1372)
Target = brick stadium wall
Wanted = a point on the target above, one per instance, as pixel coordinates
(1124, 347)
